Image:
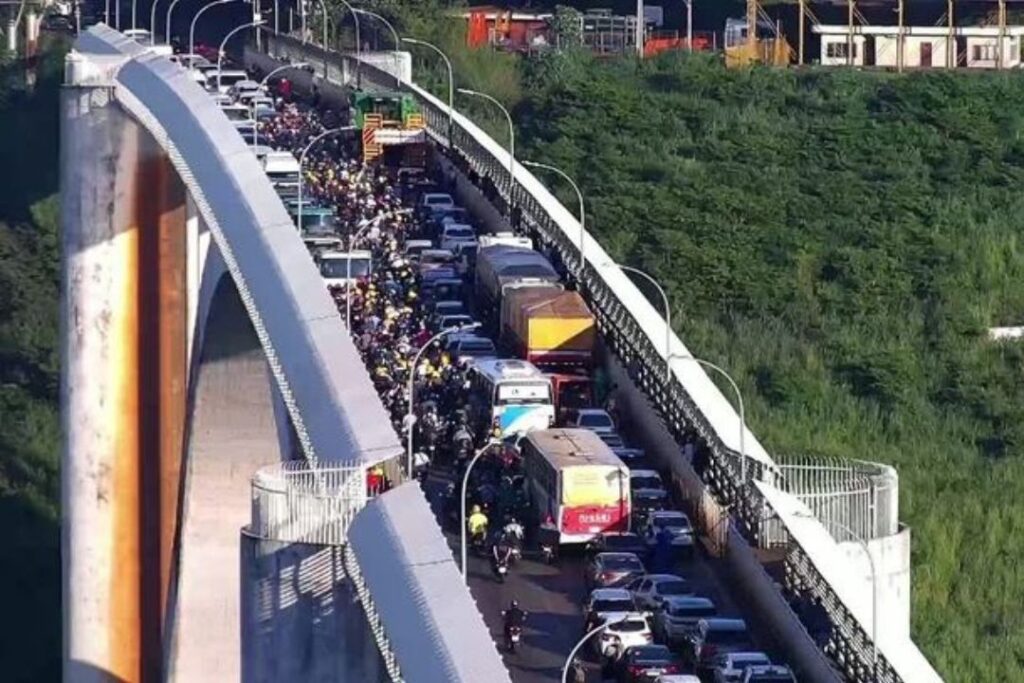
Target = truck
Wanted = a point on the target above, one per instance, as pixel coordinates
(501, 268)
(549, 327)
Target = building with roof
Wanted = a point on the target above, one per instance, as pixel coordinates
(921, 47)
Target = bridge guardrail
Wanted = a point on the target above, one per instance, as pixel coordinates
(635, 331)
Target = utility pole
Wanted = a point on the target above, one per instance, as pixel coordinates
(1002, 34)
(851, 8)
(900, 42)
(803, 21)
(951, 51)
(752, 29)
(640, 28)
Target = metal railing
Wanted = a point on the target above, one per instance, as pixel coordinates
(634, 345)
(303, 503)
(858, 495)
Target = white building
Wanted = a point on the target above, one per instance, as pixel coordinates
(924, 47)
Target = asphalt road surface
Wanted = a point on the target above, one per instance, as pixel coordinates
(553, 596)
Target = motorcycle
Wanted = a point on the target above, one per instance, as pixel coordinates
(501, 559)
(513, 634)
(547, 553)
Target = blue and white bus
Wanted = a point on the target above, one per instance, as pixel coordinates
(510, 394)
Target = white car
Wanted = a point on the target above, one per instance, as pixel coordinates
(455, 233)
(730, 667)
(651, 591)
(676, 523)
(628, 629)
(604, 603)
(677, 678)
(769, 674)
(434, 201)
(594, 419)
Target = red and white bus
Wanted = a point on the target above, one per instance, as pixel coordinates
(577, 480)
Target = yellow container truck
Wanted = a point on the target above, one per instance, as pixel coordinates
(548, 327)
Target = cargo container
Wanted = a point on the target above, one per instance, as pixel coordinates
(501, 268)
(548, 327)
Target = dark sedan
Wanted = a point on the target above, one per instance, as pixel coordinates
(645, 663)
(606, 570)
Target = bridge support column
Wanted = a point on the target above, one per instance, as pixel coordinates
(123, 383)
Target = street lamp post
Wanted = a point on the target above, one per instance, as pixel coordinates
(739, 400)
(584, 639)
(167, 26)
(511, 138)
(664, 300)
(465, 483)
(348, 271)
(451, 84)
(192, 27)
(874, 584)
(152, 23)
(224, 43)
(263, 83)
(410, 415)
(579, 195)
(394, 35)
(302, 159)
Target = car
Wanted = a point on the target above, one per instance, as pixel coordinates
(441, 217)
(632, 457)
(448, 307)
(465, 256)
(613, 440)
(673, 521)
(618, 541)
(626, 630)
(644, 663)
(594, 419)
(647, 490)
(450, 289)
(236, 112)
(714, 635)
(612, 569)
(413, 248)
(317, 244)
(730, 667)
(678, 616)
(446, 321)
(246, 86)
(651, 591)
(506, 238)
(431, 259)
(467, 347)
(603, 603)
(676, 678)
(771, 673)
(455, 233)
(57, 22)
(429, 202)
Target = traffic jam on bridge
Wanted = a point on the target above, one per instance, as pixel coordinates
(573, 536)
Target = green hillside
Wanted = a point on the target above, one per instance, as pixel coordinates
(840, 241)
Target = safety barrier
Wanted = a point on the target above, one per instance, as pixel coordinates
(688, 401)
(303, 503)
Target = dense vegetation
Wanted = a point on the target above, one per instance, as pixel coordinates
(840, 241)
(29, 433)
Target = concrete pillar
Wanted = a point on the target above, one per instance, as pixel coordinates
(99, 391)
(123, 384)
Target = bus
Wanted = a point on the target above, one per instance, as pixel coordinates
(511, 395)
(335, 269)
(577, 480)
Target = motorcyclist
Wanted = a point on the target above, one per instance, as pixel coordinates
(514, 617)
(501, 554)
(513, 530)
(548, 536)
(477, 524)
